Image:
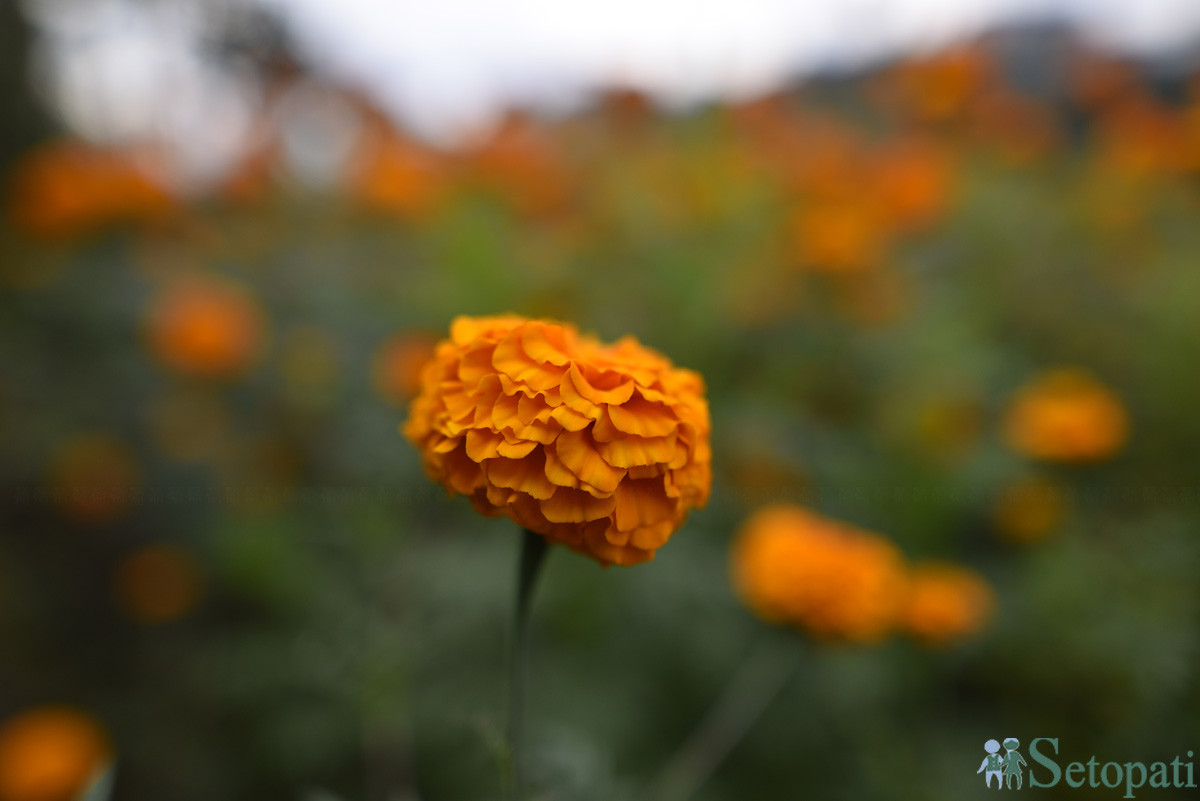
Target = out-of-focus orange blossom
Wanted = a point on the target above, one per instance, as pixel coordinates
(94, 478)
(50, 753)
(1097, 81)
(824, 159)
(1019, 129)
(68, 188)
(396, 368)
(913, 180)
(946, 602)
(1139, 136)
(839, 237)
(1030, 509)
(831, 579)
(1066, 415)
(939, 88)
(158, 583)
(521, 163)
(394, 175)
(205, 326)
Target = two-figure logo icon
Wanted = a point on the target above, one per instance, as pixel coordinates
(1004, 768)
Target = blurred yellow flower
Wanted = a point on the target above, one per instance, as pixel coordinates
(1029, 509)
(94, 478)
(602, 448)
(1066, 415)
(946, 602)
(66, 189)
(205, 327)
(50, 754)
(838, 582)
(158, 583)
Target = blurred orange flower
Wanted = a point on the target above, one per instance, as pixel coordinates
(94, 478)
(946, 602)
(1029, 509)
(205, 327)
(913, 181)
(1066, 415)
(50, 754)
(522, 163)
(68, 188)
(602, 448)
(158, 583)
(394, 175)
(839, 237)
(838, 582)
(940, 87)
(1139, 136)
(398, 363)
(1017, 128)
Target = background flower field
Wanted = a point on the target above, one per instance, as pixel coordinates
(941, 301)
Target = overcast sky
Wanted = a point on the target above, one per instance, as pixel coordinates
(122, 69)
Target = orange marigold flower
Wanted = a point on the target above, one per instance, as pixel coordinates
(793, 566)
(1066, 415)
(158, 583)
(68, 189)
(94, 478)
(50, 754)
(602, 448)
(396, 176)
(521, 162)
(205, 327)
(946, 602)
(840, 237)
(913, 181)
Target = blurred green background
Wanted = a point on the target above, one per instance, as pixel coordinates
(217, 546)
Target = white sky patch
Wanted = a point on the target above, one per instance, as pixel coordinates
(123, 69)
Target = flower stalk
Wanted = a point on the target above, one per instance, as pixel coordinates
(533, 555)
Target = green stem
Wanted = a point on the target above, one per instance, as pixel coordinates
(533, 554)
(761, 677)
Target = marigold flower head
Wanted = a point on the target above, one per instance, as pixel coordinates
(1066, 415)
(393, 175)
(50, 754)
(67, 189)
(913, 180)
(205, 327)
(94, 477)
(158, 583)
(840, 237)
(838, 582)
(946, 602)
(602, 448)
